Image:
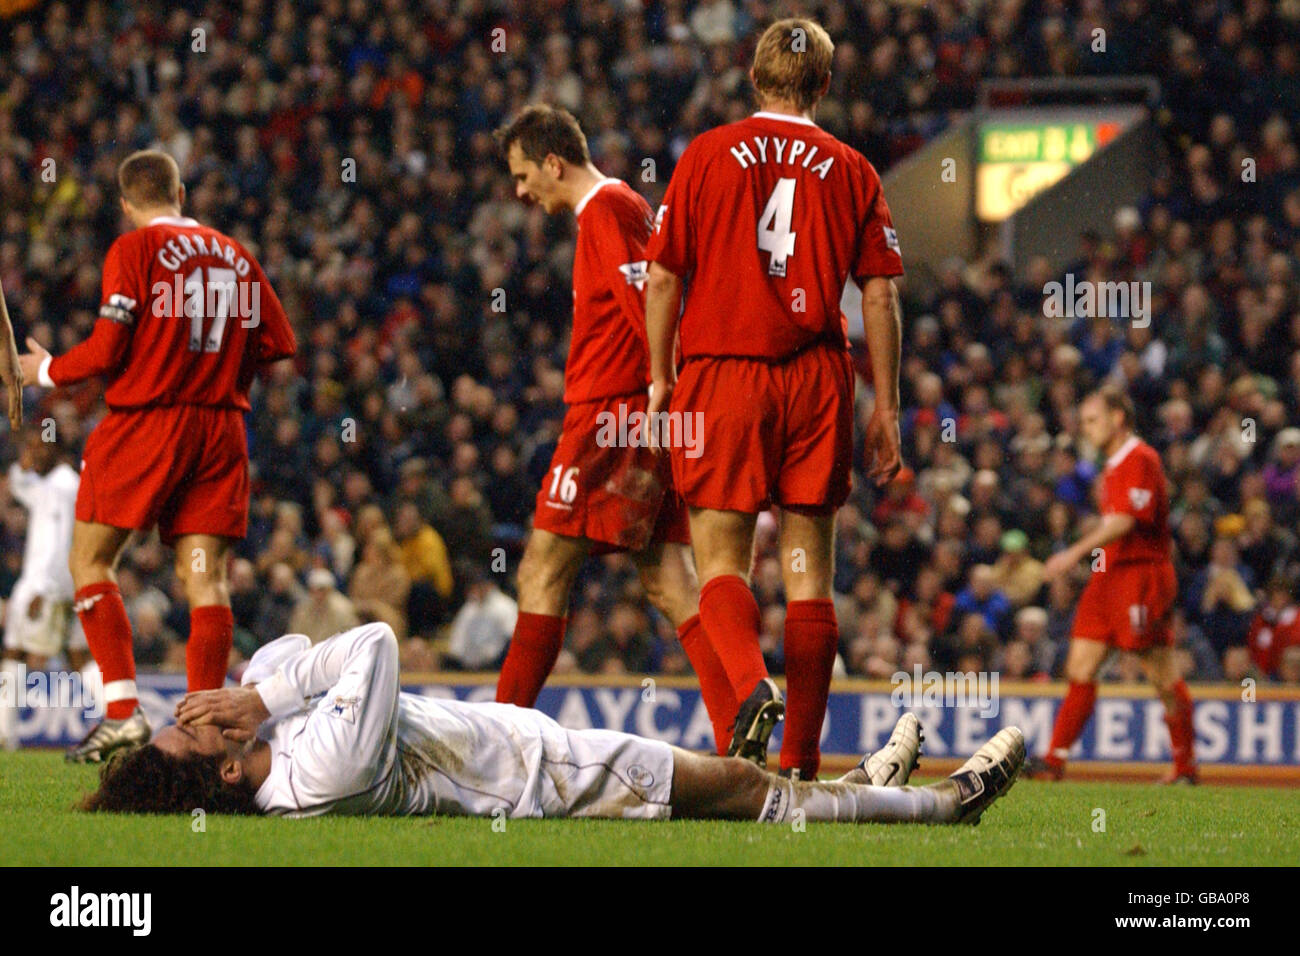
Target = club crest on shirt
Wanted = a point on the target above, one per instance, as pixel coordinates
(891, 238)
(1139, 497)
(344, 708)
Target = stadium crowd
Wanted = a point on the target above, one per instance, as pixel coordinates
(348, 144)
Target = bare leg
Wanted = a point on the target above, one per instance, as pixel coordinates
(723, 542)
(729, 788)
(549, 566)
(95, 550)
(1084, 660)
(668, 576)
(807, 555)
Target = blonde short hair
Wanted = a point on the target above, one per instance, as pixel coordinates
(793, 62)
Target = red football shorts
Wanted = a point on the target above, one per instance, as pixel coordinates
(181, 467)
(605, 483)
(1128, 606)
(772, 432)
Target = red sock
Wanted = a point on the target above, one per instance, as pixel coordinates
(719, 699)
(730, 617)
(533, 649)
(812, 639)
(1074, 713)
(108, 633)
(1182, 736)
(212, 631)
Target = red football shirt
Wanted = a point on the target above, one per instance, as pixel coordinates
(186, 318)
(1133, 483)
(1271, 633)
(609, 353)
(766, 219)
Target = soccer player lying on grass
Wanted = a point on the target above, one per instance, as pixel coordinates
(326, 729)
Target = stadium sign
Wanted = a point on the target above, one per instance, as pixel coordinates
(1252, 739)
(1017, 161)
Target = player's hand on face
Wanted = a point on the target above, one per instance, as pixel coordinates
(884, 446)
(238, 711)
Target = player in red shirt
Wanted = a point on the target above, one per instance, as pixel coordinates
(186, 320)
(606, 489)
(1129, 599)
(763, 223)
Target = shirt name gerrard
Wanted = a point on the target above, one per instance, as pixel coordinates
(785, 151)
(181, 247)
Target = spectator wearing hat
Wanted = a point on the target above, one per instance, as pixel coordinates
(324, 612)
(1017, 574)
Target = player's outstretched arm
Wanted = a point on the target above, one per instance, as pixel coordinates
(11, 375)
(1112, 527)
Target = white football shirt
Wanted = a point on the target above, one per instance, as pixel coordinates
(51, 503)
(344, 739)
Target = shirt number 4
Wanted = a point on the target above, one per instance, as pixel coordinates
(774, 235)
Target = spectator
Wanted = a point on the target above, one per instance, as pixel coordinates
(324, 612)
(1219, 597)
(1275, 627)
(480, 632)
(1044, 654)
(981, 596)
(428, 568)
(380, 585)
(1017, 574)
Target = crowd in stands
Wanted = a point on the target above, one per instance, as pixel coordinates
(396, 460)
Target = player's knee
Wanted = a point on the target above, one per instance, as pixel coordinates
(87, 568)
(542, 570)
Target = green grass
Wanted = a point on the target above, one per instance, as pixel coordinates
(1036, 824)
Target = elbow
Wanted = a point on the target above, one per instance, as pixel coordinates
(879, 293)
(660, 281)
(384, 638)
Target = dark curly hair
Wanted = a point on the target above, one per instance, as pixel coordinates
(146, 780)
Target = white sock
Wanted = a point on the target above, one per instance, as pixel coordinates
(833, 801)
(12, 673)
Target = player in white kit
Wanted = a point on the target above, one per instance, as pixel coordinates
(325, 729)
(39, 623)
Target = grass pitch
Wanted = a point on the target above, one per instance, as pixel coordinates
(1036, 824)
